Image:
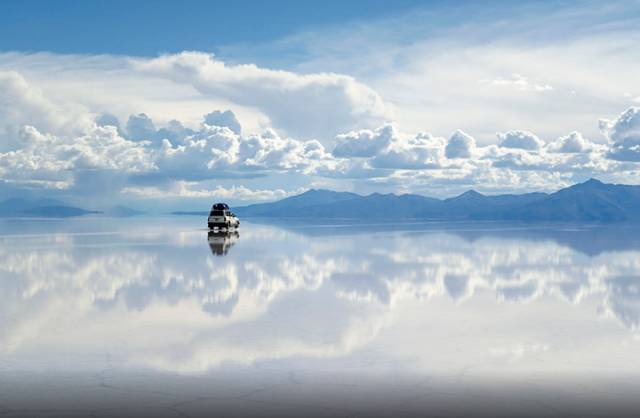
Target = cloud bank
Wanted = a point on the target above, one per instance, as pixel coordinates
(51, 145)
(307, 105)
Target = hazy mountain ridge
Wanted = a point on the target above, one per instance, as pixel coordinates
(591, 201)
(123, 212)
(588, 201)
(17, 207)
(52, 208)
(293, 204)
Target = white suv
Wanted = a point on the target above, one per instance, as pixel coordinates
(221, 217)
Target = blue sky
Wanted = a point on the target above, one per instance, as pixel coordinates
(160, 104)
(153, 27)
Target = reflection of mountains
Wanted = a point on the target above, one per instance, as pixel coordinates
(589, 239)
(221, 241)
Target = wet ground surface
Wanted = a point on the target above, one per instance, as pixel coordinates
(159, 317)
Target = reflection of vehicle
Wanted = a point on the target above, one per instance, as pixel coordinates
(221, 241)
(221, 217)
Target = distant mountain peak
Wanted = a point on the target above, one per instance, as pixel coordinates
(469, 195)
(593, 182)
(317, 191)
(123, 211)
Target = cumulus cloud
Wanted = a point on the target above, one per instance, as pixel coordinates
(146, 156)
(140, 127)
(520, 140)
(460, 145)
(387, 149)
(364, 143)
(424, 151)
(107, 119)
(310, 105)
(56, 161)
(226, 118)
(624, 134)
(213, 149)
(572, 143)
(21, 104)
(174, 131)
(64, 161)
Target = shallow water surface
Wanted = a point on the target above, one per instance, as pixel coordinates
(159, 317)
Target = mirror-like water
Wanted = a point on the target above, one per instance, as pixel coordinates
(103, 309)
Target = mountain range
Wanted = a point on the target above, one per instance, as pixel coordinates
(52, 208)
(591, 201)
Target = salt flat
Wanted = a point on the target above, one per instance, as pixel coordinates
(158, 317)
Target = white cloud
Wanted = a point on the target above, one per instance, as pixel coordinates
(520, 140)
(624, 134)
(61, 150)
(364, 143)
(553, 74)
(424, 151)
(519, 82)
(226, 118)
(571, 143)
(140, 127)
(460, 145)
(270, 151)
(388, 149)
(213, 149)
(49, 158)
(23, 104)
(305, 105)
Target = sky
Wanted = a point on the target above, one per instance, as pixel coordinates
(171, 105)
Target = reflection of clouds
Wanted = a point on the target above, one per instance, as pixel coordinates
(457, 286)
(361, 286)
(297, 325)
(519, 292)
(517, 351)
(514, 269)
(623, 299)
(278, 294)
